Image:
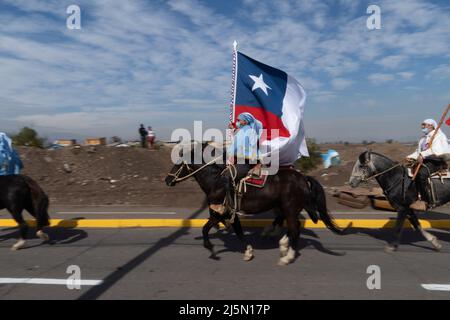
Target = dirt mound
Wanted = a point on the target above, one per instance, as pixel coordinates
(107, 175)
(134, 176)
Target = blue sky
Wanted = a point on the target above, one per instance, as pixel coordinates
(168, 63)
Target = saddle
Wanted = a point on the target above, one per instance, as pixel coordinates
(256, 177)
(442, 174)
(435, 178)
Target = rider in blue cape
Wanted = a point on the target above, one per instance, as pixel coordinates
(10, 162)
(243, 152)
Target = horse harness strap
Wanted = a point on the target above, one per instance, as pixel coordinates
(176, 174)
(381, 173)
(240, 188)
(237, 195)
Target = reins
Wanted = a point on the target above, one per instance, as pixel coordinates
(381, 173)
(176, 174)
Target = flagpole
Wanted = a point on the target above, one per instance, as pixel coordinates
(233, 79)
(233, 85)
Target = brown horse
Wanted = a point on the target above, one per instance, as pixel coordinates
(19, 192)
(288, 192)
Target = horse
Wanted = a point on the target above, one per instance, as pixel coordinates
(400, 190)
(288, 193)
(19, 192)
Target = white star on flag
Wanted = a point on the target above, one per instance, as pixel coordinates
(259, 83)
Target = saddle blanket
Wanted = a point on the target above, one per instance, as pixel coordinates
(256, 181)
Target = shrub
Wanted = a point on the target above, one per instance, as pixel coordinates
(306, 164)
(28, 137)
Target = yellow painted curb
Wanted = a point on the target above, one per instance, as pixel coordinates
(198, 223)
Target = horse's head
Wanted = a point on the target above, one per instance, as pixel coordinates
(363, 169)
(180, 156)
(190, 158)
(178, 171)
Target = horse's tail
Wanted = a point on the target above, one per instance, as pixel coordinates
(39, 201)
(318, 203)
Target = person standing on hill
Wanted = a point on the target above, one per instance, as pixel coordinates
(143, 133)
(150, 137)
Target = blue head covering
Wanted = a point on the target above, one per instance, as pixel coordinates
(252, 122)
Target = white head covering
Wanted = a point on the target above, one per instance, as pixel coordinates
(431, 121)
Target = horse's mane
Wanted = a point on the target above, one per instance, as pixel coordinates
(362, 156)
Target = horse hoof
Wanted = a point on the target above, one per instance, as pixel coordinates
(436, 244)
(248, 255)
(284, 262)
(390, 248)
(18, 245)
(43, 236)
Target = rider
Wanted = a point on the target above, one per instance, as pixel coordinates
(432, 155)
(242, 153)
(10, 162)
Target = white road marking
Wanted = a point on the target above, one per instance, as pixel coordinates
(49, 281)
(436, 287)
(112, 213)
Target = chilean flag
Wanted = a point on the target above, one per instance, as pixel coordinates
(277, 100)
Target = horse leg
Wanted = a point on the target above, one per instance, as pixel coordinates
(428, 236)
(274, 230)
(40, 223)
(291, 244)
(393, 246)
(205, 231)
(248, 249)
(23, 228)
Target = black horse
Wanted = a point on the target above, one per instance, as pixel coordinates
(399, 189)
(288, 192)
(19, 192)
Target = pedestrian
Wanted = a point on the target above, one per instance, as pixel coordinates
(143, 133)
(150, 137)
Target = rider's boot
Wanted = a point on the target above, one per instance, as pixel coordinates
(419, 205)
(423, 203)
(219, 208)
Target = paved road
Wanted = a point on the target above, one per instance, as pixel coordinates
(158, 212)
(169, 263)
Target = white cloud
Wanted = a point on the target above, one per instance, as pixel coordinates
(147, 58)
(406, 75)
(380, 78)
(392, 62)
(440, 73)
(341, 84)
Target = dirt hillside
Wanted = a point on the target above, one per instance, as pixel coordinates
(134, 176)
(106, 176)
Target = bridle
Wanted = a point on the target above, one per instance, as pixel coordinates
(369, 164)
(365, 179)
(191, 171)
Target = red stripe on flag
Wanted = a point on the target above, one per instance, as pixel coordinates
(268, 119)
(447, 122)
